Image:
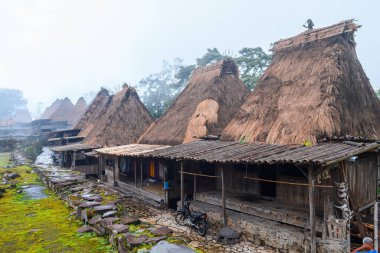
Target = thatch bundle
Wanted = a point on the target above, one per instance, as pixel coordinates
(310, 91)
(209, 101)
(120, 119)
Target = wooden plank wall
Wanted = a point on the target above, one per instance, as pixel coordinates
(362, 178)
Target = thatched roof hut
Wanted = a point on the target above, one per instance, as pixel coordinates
(79, 109)
(314, 88)
(121, 120)
(61, 110)
(209, 101)
(93, 112)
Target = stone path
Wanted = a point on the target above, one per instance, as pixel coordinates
(92, 200)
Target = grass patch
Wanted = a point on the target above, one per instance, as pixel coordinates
(4, 159)
(42, 225)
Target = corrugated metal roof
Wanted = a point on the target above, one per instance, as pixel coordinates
(262, 153)
(73, 147)
(130, 150)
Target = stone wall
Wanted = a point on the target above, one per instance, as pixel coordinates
(285, 238)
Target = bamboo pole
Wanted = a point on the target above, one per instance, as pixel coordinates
(313, 245)
(223, 198)
(196, 174)
(288, 183)
(182, 186)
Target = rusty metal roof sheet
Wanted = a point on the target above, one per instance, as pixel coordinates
(130, 150)
(262, 153)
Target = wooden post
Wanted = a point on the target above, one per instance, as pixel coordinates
(114, 171)
(313, 245)
(325, 215)
(376, 208)
(223, 198)
(375, 225)
(135, 167)
(195, 188)
(141, 173)
(73, 162)
(182, 186)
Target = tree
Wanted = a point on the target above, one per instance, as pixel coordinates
(252, 62)
(160, 89)
(211, 56)
(378, 93)
(10, 100)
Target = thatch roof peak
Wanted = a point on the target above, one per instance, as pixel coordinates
(223, 67)
(116, 120)
(344, 28)
(310, 93)
(209, 101)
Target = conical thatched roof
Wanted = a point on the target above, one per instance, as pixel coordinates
(22, 116)
(51, 109)
(314, 88)
(121, 121)
(79, 109)
(209, 101)
(61, 110)
(93, 112)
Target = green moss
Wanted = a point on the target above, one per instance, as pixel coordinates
(142, 246)
(42, 225)
(4, 159)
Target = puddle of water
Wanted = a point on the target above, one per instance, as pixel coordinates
(34, 192)
(45, 158)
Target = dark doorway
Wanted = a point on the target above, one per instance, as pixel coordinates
(268, 189)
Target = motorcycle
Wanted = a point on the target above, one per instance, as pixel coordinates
(195, 220)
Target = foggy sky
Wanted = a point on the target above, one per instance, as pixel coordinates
(53, 49)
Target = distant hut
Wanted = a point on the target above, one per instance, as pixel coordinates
(62, 110)
(315, 88)
(22, 116)
(93, 112)
(108, 121)
(122, 120)
(79, 109)
(209, 101)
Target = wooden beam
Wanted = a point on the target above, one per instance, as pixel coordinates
(223, 198)
(195, 188)
(141, 173)
(182, 186)
(135, 167)
(313, 244)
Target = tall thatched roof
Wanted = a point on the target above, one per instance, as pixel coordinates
(79, 109)
(51, 109)
(93, 112)
(22, 116)
(209, 101)
(314, 88)
(121, 120)
(61, 110)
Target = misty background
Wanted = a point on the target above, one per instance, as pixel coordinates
(55, 49)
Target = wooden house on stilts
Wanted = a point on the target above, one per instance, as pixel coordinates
(298, 164)
(211, 98)
(110, 120)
